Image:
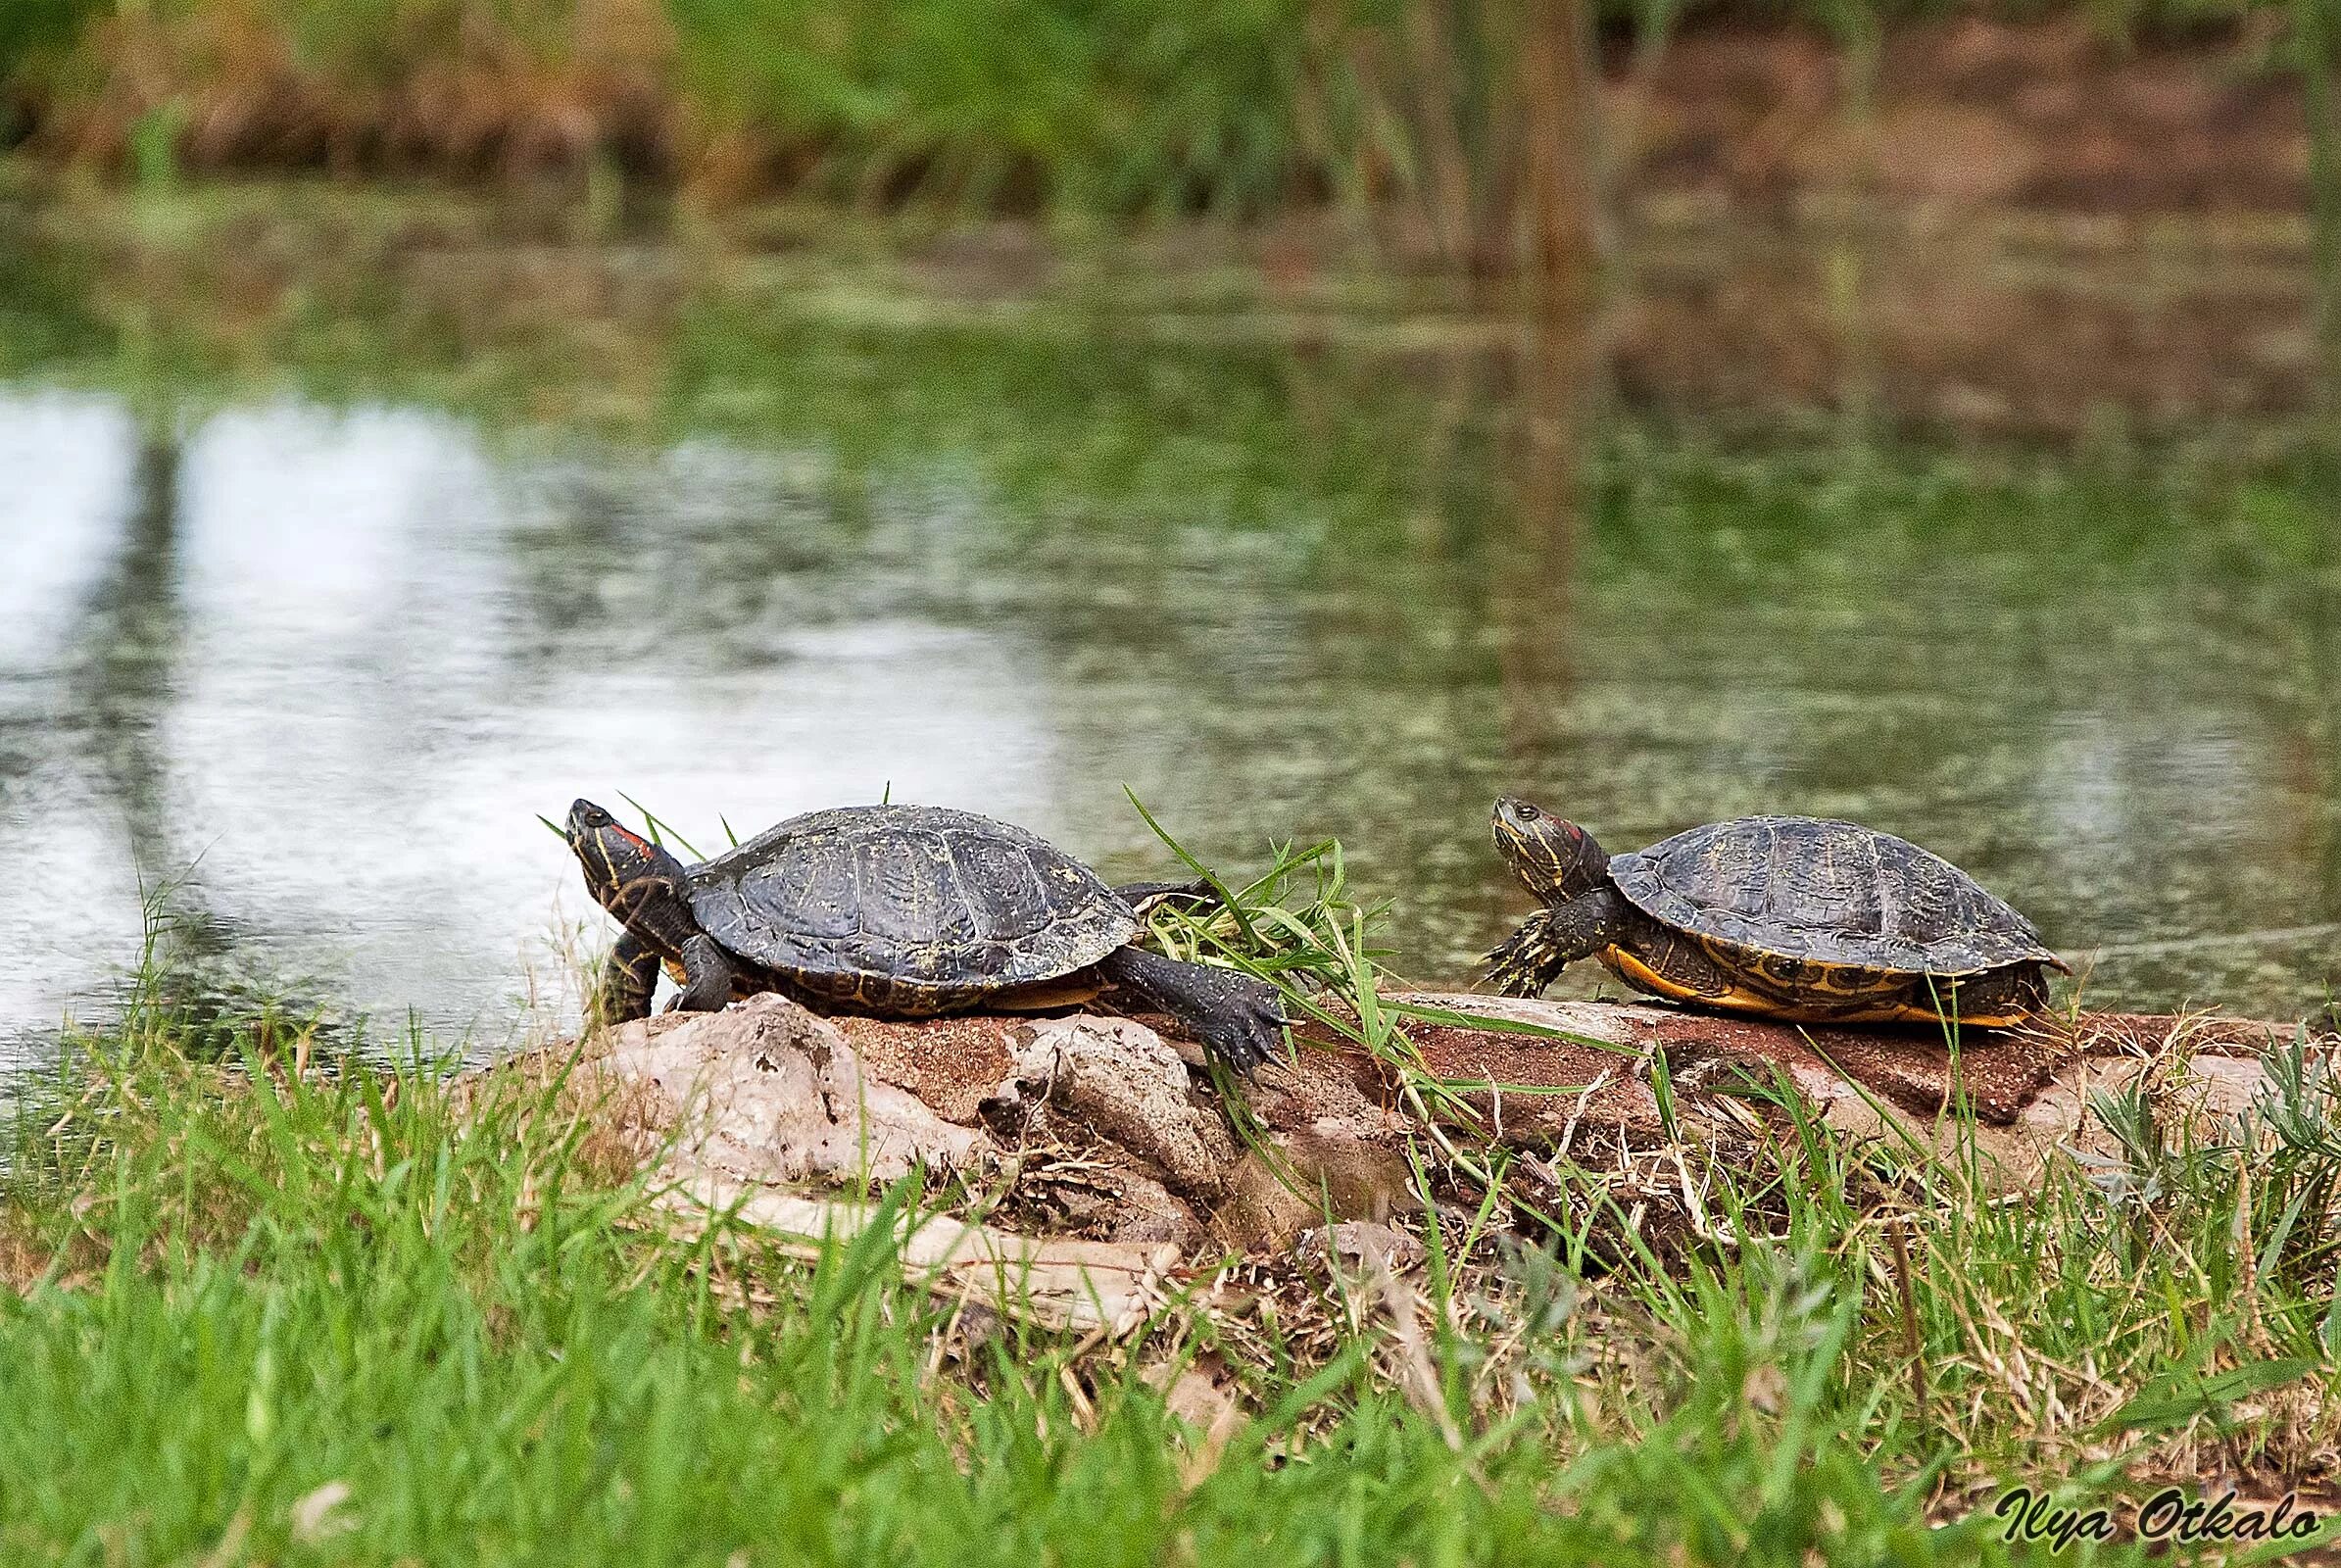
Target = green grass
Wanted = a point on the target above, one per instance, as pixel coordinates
(272, 1307)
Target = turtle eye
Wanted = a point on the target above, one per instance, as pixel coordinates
(1528, 813)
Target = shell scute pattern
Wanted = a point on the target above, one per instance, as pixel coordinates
(913, 904)
(818, 888)
(1825, 905)
(1004, 888)
(903, 892)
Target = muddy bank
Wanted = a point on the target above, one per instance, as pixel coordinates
(2050, 115)
(2030, 228)
(2035, 234)
(1095, 1162)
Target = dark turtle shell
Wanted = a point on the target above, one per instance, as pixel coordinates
(953, 903)
(1826, 893)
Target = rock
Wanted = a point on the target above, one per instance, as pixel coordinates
(1262, 1212)
(1098, 1192)
(1127, 1084)
(1360, 1249)
(1308, 1175)
(1139, 1209)
(766, 1092)
(1333, 1089)
(744, 1106)
(1101, 1128)
(954, 1064)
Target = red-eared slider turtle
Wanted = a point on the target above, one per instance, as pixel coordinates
(1790, 916)
(902, 911)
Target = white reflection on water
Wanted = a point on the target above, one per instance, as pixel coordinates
(343, 729)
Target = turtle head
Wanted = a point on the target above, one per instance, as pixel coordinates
(624, 871)
(1553, 858)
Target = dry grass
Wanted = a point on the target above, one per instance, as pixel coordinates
(550, 88)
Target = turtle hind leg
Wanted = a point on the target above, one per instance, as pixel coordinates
(1240, 1019)
(708, 978)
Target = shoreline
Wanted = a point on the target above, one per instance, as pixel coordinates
(2057, 111)
(2003, 325)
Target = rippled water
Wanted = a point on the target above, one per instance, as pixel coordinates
(317, 650)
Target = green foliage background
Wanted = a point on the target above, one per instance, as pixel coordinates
(1104, 105)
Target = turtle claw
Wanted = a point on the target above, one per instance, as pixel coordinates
(1511, 977)
(1239, 1019)
(1519, 965)
(1246, 1030)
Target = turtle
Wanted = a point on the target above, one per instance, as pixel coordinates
(1794, 917)
(898, 911)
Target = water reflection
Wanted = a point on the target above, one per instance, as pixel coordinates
(335, 660)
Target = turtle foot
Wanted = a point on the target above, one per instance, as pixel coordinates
(1246, 1030)
(1239, 1019)
(1513, 978)
(1523, 963)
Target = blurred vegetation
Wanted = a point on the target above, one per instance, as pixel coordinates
(1104, 106)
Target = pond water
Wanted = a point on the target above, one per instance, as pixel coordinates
(312, 640)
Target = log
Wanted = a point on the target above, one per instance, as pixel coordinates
(2000, 1071)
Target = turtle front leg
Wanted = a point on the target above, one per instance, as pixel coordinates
(1556, 937)
(1237, 1017)
(706, 979)
(1523, 963)
(628, 978)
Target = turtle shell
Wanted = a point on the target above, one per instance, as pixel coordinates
(952, 903)
(1826, 893)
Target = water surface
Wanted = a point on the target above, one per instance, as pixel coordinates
(314, 646)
